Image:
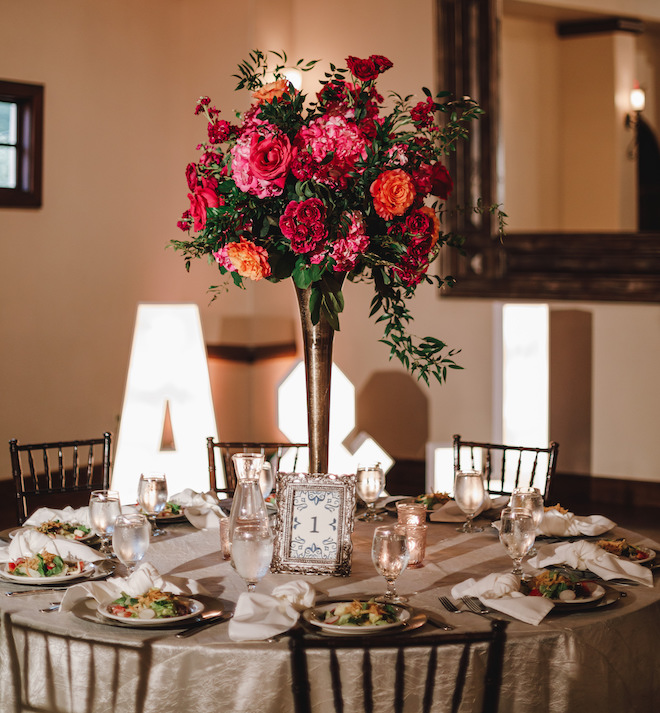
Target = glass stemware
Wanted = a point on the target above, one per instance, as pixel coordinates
(104, 509)
(251, 551)
(517, 533)
(389, 553)
(532, 500)
(130, 539)
(152, 497)
(248, 505)
(469, 495)
(370, 484)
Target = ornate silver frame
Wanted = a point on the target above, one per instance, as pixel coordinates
(337, 493)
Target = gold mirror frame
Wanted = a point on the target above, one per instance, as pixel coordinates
(602, 266)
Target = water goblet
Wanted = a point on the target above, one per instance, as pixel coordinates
(469, 495)
(104, 509)
(517, 533)
(532, 500)
(370, 484)
(251, 551)
(152, 497)
(389, 553)
(130, 539)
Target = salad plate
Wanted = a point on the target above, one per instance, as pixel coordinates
(85, 538)
(597, 592)
(87, 571)
(316, 616)
(624, 550)
(195, 609)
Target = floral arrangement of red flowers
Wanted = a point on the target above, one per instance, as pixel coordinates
(331, 189)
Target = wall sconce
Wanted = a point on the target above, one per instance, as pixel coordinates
(637, 104)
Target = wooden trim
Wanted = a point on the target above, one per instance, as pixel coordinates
(575, 490)
(574, 28)
(250, 354)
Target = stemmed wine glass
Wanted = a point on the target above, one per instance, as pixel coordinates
(517, 533)
(469, 494)
(251, 551)
(370, 484)
(130, 539)
(152, 497)
(389, 553)
(532, 500)
(104, 509)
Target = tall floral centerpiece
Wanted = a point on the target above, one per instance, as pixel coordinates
(323, 190)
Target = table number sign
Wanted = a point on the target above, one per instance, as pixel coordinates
(314, 523)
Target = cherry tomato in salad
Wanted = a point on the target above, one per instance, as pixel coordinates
(535, 592)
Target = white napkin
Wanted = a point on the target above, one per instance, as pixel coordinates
(30, 542)
(260, 616)
(299, 593)
(139, 582)
(589, 556)
(502, 592)
(450, 512)
(201, 509)
(67, 514)
(557, 524)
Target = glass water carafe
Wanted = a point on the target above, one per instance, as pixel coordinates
(248, 505)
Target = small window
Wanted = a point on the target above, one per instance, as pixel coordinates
(21, 144)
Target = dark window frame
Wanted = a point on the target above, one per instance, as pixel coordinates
(30, 101)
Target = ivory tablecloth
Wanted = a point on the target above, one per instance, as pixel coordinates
(601, 661)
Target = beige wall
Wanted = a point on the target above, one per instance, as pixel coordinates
(121, 82)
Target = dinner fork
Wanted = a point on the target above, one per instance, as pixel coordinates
(449, 605)
(476, 607)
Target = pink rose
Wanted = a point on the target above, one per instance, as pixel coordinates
(204, 197)
(270, 157)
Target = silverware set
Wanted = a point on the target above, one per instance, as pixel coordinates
(473, 604)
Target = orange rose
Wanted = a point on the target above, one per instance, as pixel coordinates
(269, 91)
(393, 193)
(436, 223)
(249, 259)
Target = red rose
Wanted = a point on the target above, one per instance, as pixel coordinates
(191, 176)
(382, 63)
(363, 69)
(441, 181)
(419, 223)
(270, 157)
(204, 197)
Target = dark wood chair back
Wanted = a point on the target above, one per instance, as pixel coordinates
(273, 452)
(58, 473)
(307, 687)
(508, 467)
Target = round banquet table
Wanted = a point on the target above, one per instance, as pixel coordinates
(601, 660)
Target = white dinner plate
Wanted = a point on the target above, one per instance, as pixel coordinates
(312, 616)
(597, 592)
(196, 608)
(16, 530)
(650, 554)
(87, 571)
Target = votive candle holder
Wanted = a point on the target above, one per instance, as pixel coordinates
(411, 513)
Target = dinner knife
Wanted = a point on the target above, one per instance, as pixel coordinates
(435, 620)
(205, 624)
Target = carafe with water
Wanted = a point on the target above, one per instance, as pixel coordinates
(248, 505)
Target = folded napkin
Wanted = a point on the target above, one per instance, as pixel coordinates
(139, 582)
(298, 593)
(201, 509)
(558, 524)
(450, 512)
(30, 542)
(502, 592)
(67, 514)
(585, 555)
(261, 616)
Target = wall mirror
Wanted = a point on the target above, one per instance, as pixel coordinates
(556, 148)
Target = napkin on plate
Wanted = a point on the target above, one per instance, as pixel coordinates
(201, 509)
(558, 524)
(67, 514)
(139, 582)
(450, 512)
(30, 542)
(502, 592)
(260, 616)
(584, 555)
